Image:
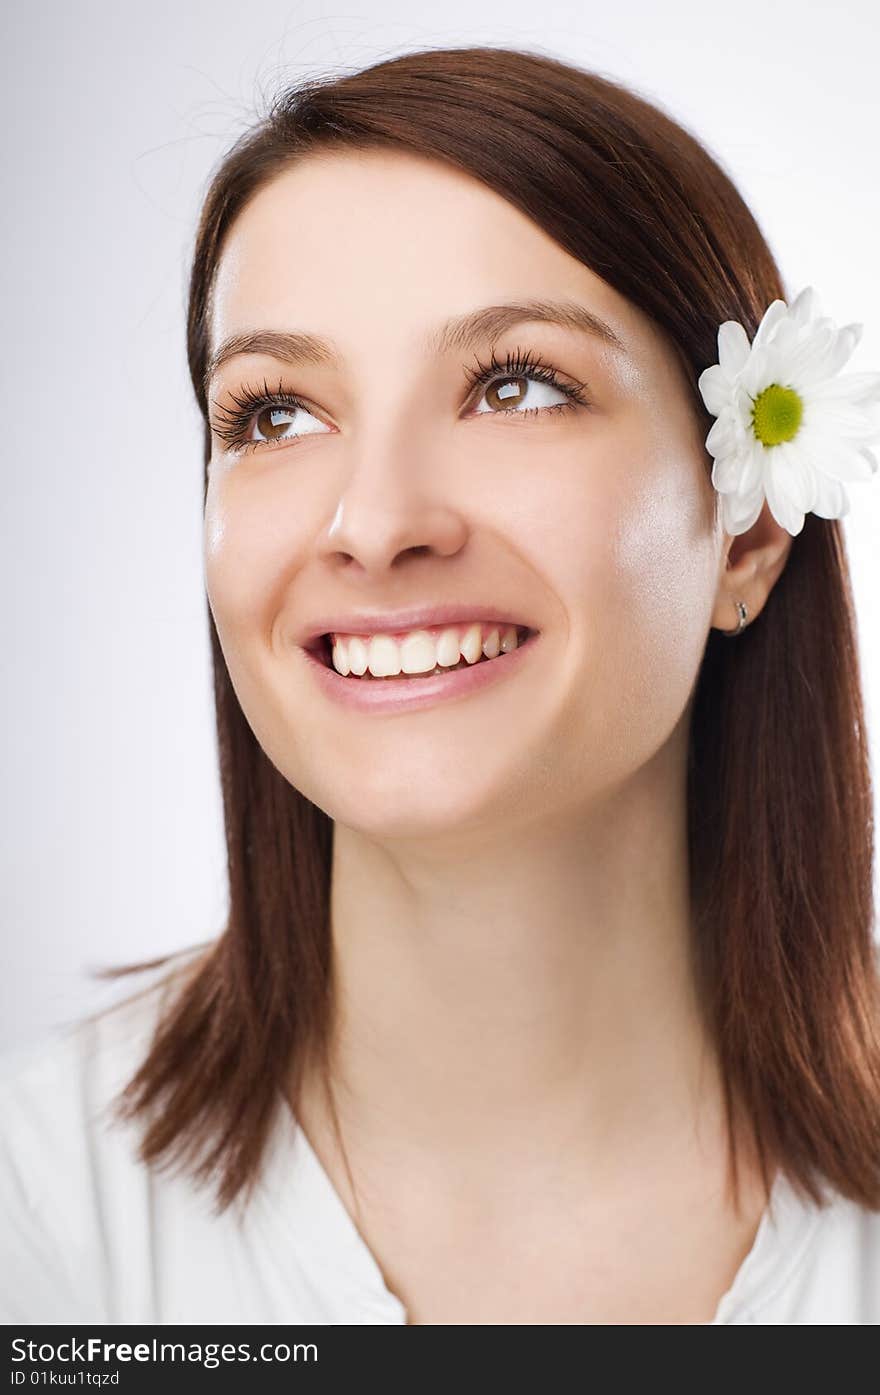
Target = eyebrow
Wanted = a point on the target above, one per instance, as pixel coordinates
(461, 333)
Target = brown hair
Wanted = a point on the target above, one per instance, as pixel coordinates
(780, 805)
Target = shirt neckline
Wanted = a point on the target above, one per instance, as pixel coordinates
(295, 1198)
(785, 1231)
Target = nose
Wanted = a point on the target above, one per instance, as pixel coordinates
(392, 504)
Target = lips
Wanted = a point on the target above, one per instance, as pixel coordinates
(401, 621)
(395, 696)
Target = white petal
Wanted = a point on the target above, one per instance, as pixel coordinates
(757, 373)
(775, 312)
(783, 338)
(795, 474)
(781, 491)
(860, 389)
(733, 347)
(715, 388)
(739, 514)
(728, 472)
(841, 460)
(742, 410)
(807, 361)
(756, 460)
(805, 306)
(722, 435)
(831, 499)
(844, 345)
(830, 418)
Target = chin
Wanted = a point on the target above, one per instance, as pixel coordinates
(408, 810)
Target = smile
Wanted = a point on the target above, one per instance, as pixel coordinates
(486, 654)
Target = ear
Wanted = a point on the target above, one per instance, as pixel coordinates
(751, 563)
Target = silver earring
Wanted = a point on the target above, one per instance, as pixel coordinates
(743, 614)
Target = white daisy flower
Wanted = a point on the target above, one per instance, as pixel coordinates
(788, 428)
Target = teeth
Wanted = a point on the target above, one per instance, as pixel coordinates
(356, 656)
(472, 644)
(418, 653)
(421, 651)
(448, 652)
(383, 656)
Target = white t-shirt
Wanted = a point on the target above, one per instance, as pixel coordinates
(90, 1235)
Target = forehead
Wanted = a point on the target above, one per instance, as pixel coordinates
(395, 212)
(381, 248)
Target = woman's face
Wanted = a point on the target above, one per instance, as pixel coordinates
(399, 484)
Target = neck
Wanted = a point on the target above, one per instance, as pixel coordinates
(525, 992)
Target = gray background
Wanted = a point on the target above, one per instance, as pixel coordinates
(113, 116)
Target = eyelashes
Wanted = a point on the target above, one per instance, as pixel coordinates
(234, 422)
(233, 426)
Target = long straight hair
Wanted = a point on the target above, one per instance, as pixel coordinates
(779, 799)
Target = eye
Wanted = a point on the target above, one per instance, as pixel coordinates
(279, 418)
(524, 379)
(508, 394)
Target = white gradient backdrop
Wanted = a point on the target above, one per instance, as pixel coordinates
(113, 115)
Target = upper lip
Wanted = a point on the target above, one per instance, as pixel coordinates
(362, 622)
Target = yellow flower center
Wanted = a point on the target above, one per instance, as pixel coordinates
(776, 414)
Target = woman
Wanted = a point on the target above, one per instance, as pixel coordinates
(548, 991)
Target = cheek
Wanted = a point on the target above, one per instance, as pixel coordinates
(251, 549)
(658, 582)
(662, 561)
(631, 551)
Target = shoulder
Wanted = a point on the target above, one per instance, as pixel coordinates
(59, 1086)
(831, 1269)
(62, 1164)
(846, 1265)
